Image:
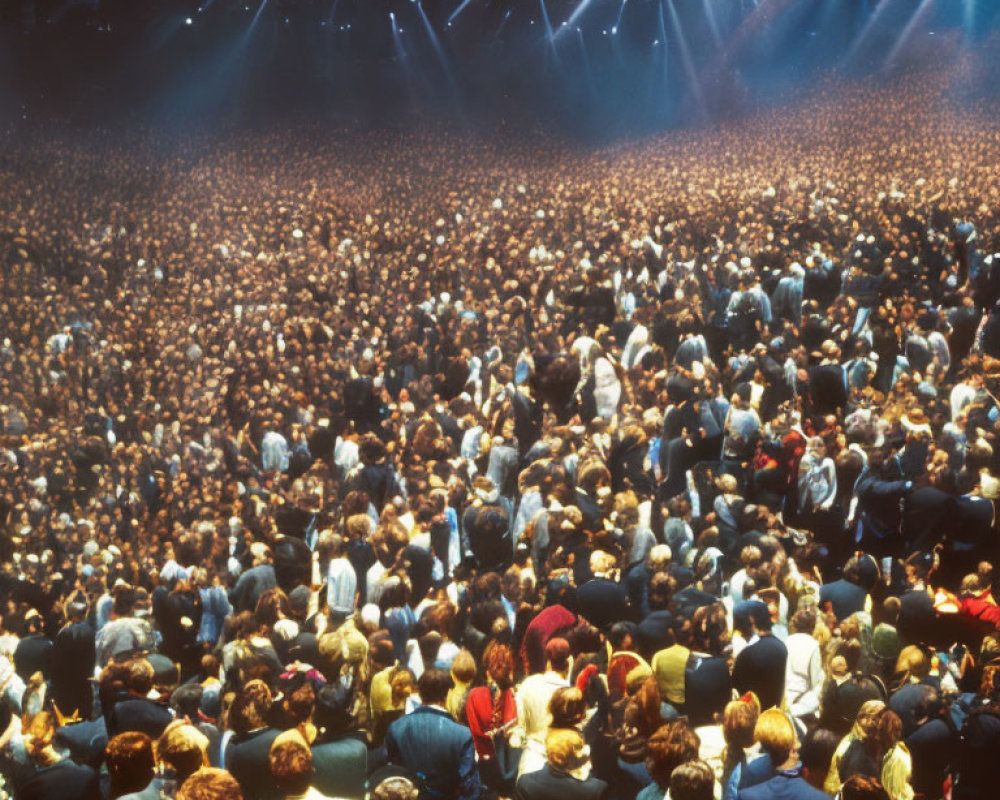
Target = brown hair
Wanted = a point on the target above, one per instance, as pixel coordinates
(463, 667)
(210, 783)
(738, 722)
(862, 787)
(129, 757)
(498, 660)
(291, 763)
(183, 747)
(250, 708)
(645, 706)
(567, 707)
(140, 676)
(692, 780)
(669, 747)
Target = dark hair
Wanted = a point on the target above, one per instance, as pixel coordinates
(129, 757)
(186, 700)
(619, 631)
(567, 707)
(862, 787)
(332, 715)
(557, 653)
(692, 780)
(434, 686)
(817, 750)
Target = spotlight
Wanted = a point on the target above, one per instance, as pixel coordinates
(189, 21)
(614, 31)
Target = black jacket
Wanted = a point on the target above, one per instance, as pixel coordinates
(64, 780)
(341, 767)
(247, 758)
(760, 668)
(603, 603)
(139, 714)
(71, 665)
(546, 784)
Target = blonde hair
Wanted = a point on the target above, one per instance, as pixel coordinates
(183, 747)
(775, 734)
(463, 667)
(564, 749)
(912, 662)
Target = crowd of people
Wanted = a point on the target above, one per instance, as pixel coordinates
(416, 465)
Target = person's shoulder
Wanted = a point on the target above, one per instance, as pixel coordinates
(348, 745)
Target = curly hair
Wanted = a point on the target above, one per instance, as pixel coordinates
(669, 747)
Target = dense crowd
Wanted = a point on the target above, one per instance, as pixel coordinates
(417, 465)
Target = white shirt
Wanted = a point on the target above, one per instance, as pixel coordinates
(533, 717)
(803, 674)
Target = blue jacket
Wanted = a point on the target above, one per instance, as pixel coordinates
(431, 744)
(783, 786)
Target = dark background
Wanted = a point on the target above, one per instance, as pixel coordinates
(615, 69)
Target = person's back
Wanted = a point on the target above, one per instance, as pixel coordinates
(246, 759)
(246, 756)
(786, 785)
(431, 744)
(340, 767)
(136, 711)
(548, 784)
(844, 597)
(63, 780)
(760, 668)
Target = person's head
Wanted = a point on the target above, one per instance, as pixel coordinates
(775, 734)
(210, 783)
(433, 687)
(565, 750)
(299, 702)
(38, 735)
(760, 617)
(621, 635)
(739, 719)
(186, 700)
(558, 655)
(291, 763)
(183, 748)
(129, 757)
(567, 707)
(863, 787)
(912, 664)
(888, 731)
(250, 708)
(463, 667)
(816, 754)
(867, 718)
(140, 677)
(709, 629)
(498, 660)
(803, 621)
(692, 780)
(669, 747)
(392, 787)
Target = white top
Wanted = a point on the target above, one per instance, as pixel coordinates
(803, 674)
